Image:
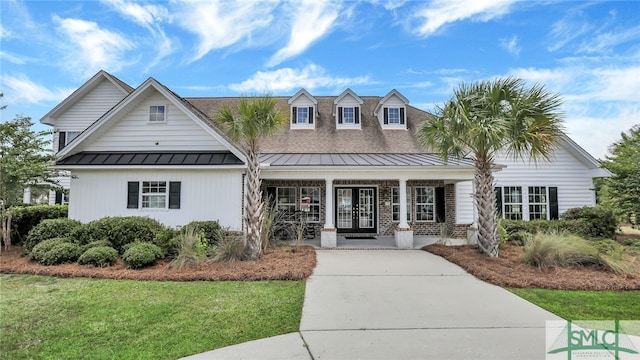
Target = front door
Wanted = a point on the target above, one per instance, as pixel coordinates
(356, 209)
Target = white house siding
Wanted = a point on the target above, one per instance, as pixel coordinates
(567, 173)
(393, 101)
(205, 195)
(88, 108)
(464, 203)
(133, 132)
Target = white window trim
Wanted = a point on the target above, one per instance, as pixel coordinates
(142, 195)
(347, 125)
(397, 126)
(521, 203)
(166, 114)
(409, 207)
(433, 191)
(305, 125)
(318, 205)
(526, 214)
(295, 200)
(546, 203)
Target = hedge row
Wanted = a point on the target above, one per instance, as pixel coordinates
(25, 218)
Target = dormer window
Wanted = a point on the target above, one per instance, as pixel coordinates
(391, 111)
(347, 110)
(157, 114)
(303, 110)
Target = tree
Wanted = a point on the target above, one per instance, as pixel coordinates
(490, 116)
(25, 160)
(252, 120)
(624, 164)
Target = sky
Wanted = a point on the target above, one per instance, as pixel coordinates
(587, 51)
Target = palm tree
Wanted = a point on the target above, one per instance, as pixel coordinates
(252, 120)
(490, 116)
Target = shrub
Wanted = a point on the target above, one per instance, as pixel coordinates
(25, 218)
(535, 226)
(564, 249)
(169, 241)
(502, 235)
(49, 229)
(99, 256)
(230, 247)
(98, 243)
(141, 255)
(119, 230)
(194, 248)
(598, 221)
(211, 230)
(521, 237)
(58, 251)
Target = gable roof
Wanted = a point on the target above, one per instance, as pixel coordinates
(49, 118)
(302, 92)
(132, 100)
(391, 93)
(344, 94)
(325, 138)
(583, 156)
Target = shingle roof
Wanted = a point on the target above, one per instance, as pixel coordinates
(151, 158)
(301, 159)
(325, 138)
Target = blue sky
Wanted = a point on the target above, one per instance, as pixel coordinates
(589, 52)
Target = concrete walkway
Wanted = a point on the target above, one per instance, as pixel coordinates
(376, 304)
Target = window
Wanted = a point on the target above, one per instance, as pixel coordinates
(395, 203)
(513, 202)
(286, 199)
(425, 204)
(394, 116)
(154, 194)
(303, 115)
(537, 202)
(310, 203)
(157, 113)
(348, 115)
(65, 137)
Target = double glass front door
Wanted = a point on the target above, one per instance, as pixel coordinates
(356, 209)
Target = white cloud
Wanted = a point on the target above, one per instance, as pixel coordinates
(439, 13)
(287, 79)
(91, 48)
(144, 15)
(312, 20)
(13, 58)
(220, 24)
(565, 31)
(511, 45)
(21, 89)
(604, 42)
(4, 33)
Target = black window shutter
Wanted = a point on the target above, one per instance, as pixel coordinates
(441, 209)
(133, 189)
(174, 195)
(499, 201)
(294, 118)
(356, 115)
(310, 115)
(386, 116)
(58, 197)
(340, 115)
(553, 203)
(401, 116)
(62, 139)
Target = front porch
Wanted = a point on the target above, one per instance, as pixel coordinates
(382, 242)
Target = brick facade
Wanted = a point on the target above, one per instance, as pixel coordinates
(384, 201)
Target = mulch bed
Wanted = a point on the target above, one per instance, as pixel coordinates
(280, 263)
(509, 271)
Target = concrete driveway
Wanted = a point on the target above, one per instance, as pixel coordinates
(402, 304)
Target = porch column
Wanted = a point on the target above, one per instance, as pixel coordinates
(329, 236)
(403, 204)
(403, 233)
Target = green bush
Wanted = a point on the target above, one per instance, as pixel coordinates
(598, 221)
(535, 226)
(25, 218)
(194, 248)
(56, 251)
(99, 256)
(49, 229)
(97, 243)
(521, 237)
(169, 241)
(141, 255)
(564, 249)
(118, 230)
(212, 230)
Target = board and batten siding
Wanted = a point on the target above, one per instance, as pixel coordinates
(133, 132)
(89, 108)
(204, 195)
(564, 171)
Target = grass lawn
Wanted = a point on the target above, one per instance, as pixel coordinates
(78, 318)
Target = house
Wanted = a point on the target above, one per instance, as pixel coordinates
(353, 164)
